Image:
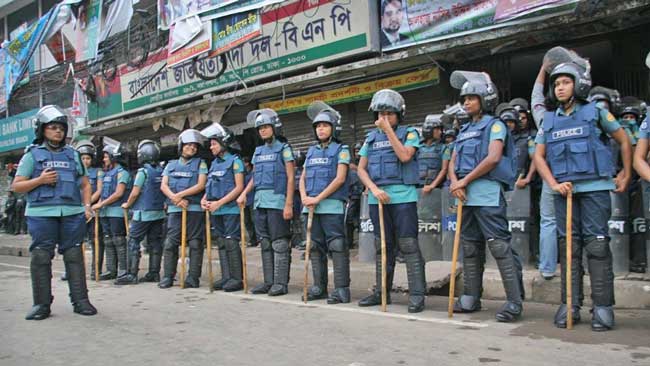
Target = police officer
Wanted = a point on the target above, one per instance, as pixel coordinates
(450, 136)
(432, 167)
(323, 189)
(273, 182)
(88, 152)
(183, 183)
(225, 184)
(115, 191)
(388, 168)
(639, 256)
(482, 166)
(250, 198)
(147, 201)
(298, 237)
(571, 157)
(353, 207)
(58, 205)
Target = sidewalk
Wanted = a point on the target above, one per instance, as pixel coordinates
(631, 292)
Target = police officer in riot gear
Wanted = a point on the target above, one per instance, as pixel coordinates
(88, 153)
(482, 166)
(298, 237)
(58, 205)
(571, 157)
(388, 168)
(147, 202)
(450, 136)
(115, 190)
(225, 184)
(431, 165)
(323, 189)
(274, 183)
(353, 207)
(183, 183)
(250, 198)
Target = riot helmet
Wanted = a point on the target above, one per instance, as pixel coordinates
(476, 83)
(223, 135)
(506, 113)
(263, 117)
(46, 115)
(387, 100)
(85, 147)
(431, 121)
(148, 152)
(611, 96)
(318, 112)
(298, 157)
(450, 133)
(190, 136)
(562, 61)
(520, 104)
(115, 150)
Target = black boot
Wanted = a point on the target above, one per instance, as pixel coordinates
(601, 274)
(196, 263)
(73, 259)
(154, 268)
(318, 290)
(577, 272)
(224, 264)
(170, 259)
(41, 272)
(267, 268)
(111, 260)
(341, 262)
(281, 267)
(374, 299)
(235, 283)
(473, 258)
(510, 277)
(120, 248)
(131, 277)
(414, 273)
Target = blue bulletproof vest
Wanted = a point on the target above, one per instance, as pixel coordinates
(151, 197)
(384, 166)
(221, 179)
(66, 190)
(429, 162)
(521, 152)
(92, 178)
(321, 166)
(472, 147)
(184, 176)
(109, 185)
(250, 197)
(296, 178)
(574, 150)
(269, 171)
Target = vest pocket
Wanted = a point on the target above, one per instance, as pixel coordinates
(557, 160)
(603, 158)
(322, 180)
(374, 167)
(68, 186)
(468, 157)
(268, 172)
(391, 167)
(580, 159)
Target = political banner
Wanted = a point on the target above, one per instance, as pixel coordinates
(231, 31)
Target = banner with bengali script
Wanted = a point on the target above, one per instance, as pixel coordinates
(295, 35)
(233, 30)
(409, 81)
(411, 22)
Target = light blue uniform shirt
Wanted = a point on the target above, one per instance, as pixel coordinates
(267, 198)
(203, 169)
(26, 168)
(144, 215)
(398, 193)
(329, 205)
(609, 123)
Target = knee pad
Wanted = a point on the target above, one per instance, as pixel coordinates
(134, 245)
(170, 245)
(408, 245)
(195, 244)
(232, 244)
(40, 256)
(498, 248)
(266, 245)
(598, 248)
(337, 245)
(73, 255)
(280, 245)
(470, 249)
(221, 243)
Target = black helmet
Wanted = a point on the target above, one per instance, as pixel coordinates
(506, 112)
(612, 96)
(321, 112)
(431, 121)
(116, 152)
(188, 137)
(46, 115)
(476, 83)
(298, 157)
(85, 147)
(263, 117)
(580, 74)
(462, 117)
(388, 100)
(520, 104)
(148, 152)
(357, 146)
(450, 132)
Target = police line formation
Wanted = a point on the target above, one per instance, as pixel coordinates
(570, 154)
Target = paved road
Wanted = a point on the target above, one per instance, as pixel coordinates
(144, 325)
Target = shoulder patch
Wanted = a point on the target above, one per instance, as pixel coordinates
(531, 143)
(496, 128)
(119, 175)
(344, 155)
(286, 154)
(610, 117)
(411, 136)
(644, 125)
(235, 166)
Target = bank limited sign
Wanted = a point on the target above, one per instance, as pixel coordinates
(17, 131)
(295, 34)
